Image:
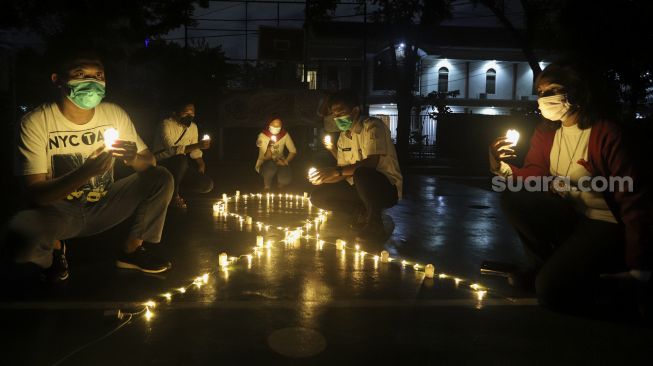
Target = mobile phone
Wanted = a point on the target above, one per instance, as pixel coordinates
(501, 269)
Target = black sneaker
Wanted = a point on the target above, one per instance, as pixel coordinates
(360, 219)
(373, 231)
(58, 271)
(142, 260)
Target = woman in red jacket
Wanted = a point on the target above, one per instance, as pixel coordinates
(576, 228)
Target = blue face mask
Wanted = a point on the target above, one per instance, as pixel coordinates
(344, 123)
(86, 93)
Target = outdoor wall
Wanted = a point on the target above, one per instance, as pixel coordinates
(465, 137)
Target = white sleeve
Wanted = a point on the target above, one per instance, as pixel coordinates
(194, 136)
(290, 145)
(31, 155)
(375, 140)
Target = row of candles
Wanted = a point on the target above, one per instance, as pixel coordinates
(293, 236)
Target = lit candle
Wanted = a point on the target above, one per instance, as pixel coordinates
(340, 244)
(168, 296)
(512, 136)
(306, 193)
(148, 314)
(110, 135)
(223, 259)
(259, 240)
(206, 137)
(429, 271)
(385, 256)
(248, 220)
(327, 141)
(311, 172)
(224, 197)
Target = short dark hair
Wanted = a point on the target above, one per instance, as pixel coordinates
(347, 97)
(181, 102)
(585, 88)
(67, 60)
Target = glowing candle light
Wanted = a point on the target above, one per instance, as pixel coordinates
(512, 136)
(442, 276)
(167, 296)
(237, 193)
(475, 286)
(150, 303)
(340, 244)
(224, 197)
(327, 141)
(306, 193)
(385, 256)
(110, 135)
(403, 263)
(416, 266)
(223, 260)
(182, 290)
(429, 271)
(205, 278)
(376, 258)
(268, 244)
(457, 281)
(206, 137)
(363, 253)
(148, 314)
(311, 172)
(358, 247)
(248, 220)
(481, 294)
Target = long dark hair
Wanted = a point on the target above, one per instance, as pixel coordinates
(586, 90)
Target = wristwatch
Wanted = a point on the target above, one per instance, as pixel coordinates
(339, 169)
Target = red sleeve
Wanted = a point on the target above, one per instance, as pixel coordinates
(633, 207)
(536, 162)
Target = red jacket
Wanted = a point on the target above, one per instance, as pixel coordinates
(607, 157)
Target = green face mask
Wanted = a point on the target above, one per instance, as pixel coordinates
(86, 93)
(344, 123)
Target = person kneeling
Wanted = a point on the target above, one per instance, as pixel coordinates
(65, 157)
(271, 162)
(175, 145)
(367, 178)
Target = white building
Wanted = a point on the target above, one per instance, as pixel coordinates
(483, 65)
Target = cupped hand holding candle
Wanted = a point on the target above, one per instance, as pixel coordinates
(328, 143)
(512, 136)
(110, 135)
(502, 148)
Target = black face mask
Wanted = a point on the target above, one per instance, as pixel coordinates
(186, 120)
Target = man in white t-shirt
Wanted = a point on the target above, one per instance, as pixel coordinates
(367, 178)
(178, 148)
(65, 156)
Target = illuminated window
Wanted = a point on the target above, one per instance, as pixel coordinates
(490, 81)
(443, 80)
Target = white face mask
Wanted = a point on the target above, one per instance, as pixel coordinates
(274, 130)
(555, 107)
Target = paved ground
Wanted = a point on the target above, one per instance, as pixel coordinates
(302, 304)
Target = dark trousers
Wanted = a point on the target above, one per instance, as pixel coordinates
(371, 191)
(270, 169)
(186, 175)
(569, 250)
